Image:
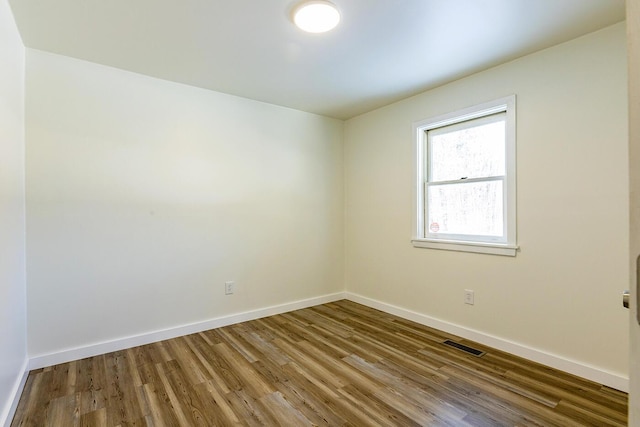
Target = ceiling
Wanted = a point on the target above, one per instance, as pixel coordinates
(382, 51)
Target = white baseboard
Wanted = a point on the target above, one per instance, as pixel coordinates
(592, 373)
(6, 416)
(41, 361)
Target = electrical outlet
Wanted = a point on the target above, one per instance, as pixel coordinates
(468, 296)
(229, 287)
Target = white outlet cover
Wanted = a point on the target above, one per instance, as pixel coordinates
(469, 296)
(229, 287)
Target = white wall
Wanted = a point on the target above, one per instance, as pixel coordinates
(13, 332)
(561, 295)
(145, 196)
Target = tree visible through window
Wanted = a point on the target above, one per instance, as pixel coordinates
(466, 179)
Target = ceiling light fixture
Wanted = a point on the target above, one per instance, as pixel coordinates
(316, 16)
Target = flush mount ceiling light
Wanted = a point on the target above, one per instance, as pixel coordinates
(316, 16)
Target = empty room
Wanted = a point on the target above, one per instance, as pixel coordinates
(362, 212)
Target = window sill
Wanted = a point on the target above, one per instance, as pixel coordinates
(481, 248)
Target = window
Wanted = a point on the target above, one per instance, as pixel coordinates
(465, 180)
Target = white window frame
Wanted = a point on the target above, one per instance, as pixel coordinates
(422, 238)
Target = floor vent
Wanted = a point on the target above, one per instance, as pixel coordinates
(465, 348)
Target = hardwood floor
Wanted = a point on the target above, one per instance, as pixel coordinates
(334, 364)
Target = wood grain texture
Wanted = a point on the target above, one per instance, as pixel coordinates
(337, 364)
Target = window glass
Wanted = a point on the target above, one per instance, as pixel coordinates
(473, 150)
(472, 208)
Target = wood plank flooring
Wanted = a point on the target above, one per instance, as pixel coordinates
(338, 364)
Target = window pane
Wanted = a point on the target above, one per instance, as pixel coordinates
(473, 208)
(472, 149)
